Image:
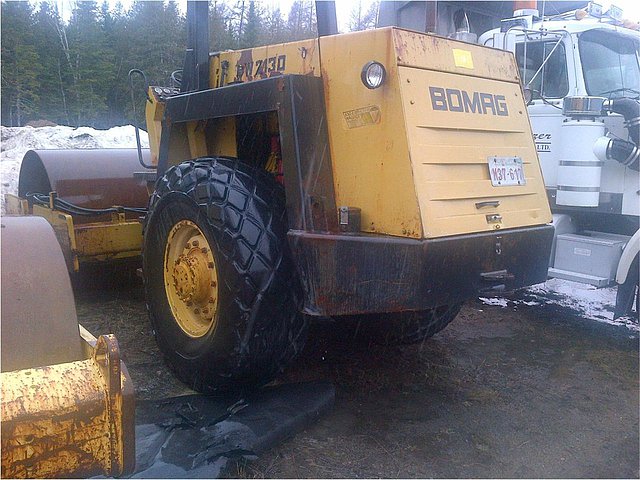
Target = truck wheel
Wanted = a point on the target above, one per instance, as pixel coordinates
(628, 292)
(220, 284)
(402, 328)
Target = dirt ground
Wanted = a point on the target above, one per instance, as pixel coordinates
(532, 392)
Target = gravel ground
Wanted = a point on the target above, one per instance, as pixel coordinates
(525, 391)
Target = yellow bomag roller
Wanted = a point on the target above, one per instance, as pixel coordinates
(379, 178)
(67, 399)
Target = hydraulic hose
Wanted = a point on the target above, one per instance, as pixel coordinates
(71, 209)
(132, 72)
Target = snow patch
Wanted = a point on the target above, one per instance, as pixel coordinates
(16, 141)
(588, 301)
(500, 302)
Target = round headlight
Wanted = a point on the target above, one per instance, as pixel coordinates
(373, 75)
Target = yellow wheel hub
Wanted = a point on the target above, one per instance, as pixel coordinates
(191, 279)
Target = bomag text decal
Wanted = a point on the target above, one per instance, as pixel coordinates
(454, 100)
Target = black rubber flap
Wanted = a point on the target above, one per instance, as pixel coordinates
(195, 436)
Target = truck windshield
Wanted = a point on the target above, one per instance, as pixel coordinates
(609, 64)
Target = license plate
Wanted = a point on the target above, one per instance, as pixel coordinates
(505, 171)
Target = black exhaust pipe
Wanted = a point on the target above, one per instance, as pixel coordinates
(630, 110)
(626, 153)
(195, 73)
(326, 18)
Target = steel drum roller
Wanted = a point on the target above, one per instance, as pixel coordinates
(89, 178)
(39, 323)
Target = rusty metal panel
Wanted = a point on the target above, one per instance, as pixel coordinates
(66, 404)
(69, 420)
(440, 54)
(97, 241)
(355, 274)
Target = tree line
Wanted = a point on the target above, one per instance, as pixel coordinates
(75, 72)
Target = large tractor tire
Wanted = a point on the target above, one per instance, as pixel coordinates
(220, 284)
(402, 328)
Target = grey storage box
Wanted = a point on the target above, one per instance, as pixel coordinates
(588, 258)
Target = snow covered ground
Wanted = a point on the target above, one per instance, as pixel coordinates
(587, 301)
(16, 141)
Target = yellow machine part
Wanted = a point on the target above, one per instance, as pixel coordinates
(154, 111)
(425, 170)
(116, 238)
(71, 419)
(297, 58)
(191, 279)
(67, 399)
(369, 148)
(218, 137)
(449, 155)
(412, 169)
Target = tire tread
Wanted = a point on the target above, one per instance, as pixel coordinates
(245, 209)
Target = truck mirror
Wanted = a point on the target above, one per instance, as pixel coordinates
(528, 95)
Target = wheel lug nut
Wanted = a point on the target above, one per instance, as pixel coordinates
(204, 250)
(196, 243)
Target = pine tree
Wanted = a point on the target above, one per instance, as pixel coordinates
(52, 104)
(253, 28)
(301, 22)
(113, 26)
(220, 31)
(275, 30)
(90, 62)
(75, 72)
(20, 66)
(363, 17)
